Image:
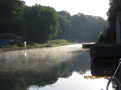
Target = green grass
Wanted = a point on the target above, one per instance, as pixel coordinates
(53, 43)
(74, 40)
(15, 45)
(58, 41)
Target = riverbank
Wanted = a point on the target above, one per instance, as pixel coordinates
(31, 45)
(36, 45)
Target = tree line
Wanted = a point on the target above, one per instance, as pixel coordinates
(41, 23)
(84, 28)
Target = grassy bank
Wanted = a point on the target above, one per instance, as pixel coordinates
(58, 41)
(51, 43)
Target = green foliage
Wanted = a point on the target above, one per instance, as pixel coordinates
(42, 23)
(110, 35)
(16, 43)
(11, 9)
(65, 22)
(101, 37)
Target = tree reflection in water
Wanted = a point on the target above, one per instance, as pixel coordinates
(40, 67)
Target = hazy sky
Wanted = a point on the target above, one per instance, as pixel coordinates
(88, 7)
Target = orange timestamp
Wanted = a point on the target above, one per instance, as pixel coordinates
(97, 77)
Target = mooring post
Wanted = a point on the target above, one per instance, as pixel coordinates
(117, 67)
(120, 73)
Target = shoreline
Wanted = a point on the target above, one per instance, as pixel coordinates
(20, 48)
(7, 49)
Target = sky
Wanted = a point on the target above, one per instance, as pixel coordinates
(87, 7)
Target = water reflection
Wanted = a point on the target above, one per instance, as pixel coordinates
(20, 70)
(25, 54)
(107, 72)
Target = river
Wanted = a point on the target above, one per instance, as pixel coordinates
(54, 68)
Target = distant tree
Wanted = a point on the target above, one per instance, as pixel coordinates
(84, 28)
(65, 22)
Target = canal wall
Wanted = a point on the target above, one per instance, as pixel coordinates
(105, 53)
(87, 45)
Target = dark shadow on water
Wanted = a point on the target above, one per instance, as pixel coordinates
(107, 71)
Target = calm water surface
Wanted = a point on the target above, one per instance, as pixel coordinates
(57, 68)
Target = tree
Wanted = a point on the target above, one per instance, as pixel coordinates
(11, 12)
(42, 23)
(115, 6)
(65, 22)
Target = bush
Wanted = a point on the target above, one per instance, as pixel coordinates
(16, 44)
(101, 37)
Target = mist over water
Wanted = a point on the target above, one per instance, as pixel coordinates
(36, 59)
